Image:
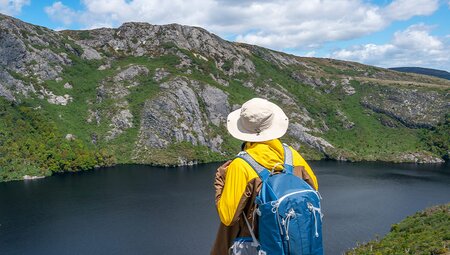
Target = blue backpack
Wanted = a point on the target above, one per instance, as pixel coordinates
(290, 218)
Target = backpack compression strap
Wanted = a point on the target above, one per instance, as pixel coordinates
(260, 170)
(288, 160)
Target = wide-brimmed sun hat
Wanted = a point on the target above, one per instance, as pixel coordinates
(257, 120)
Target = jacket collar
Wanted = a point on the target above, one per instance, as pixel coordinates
(269, 154)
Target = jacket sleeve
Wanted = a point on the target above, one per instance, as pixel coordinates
(235, 193)
(219, 180)
(303, 170)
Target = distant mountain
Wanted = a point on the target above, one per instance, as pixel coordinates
(426, 71)
(149, 94)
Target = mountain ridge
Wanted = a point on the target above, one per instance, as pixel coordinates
(425, 71)
(160, 94)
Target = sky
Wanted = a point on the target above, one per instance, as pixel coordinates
(385, 33)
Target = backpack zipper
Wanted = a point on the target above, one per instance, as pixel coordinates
(277, 203)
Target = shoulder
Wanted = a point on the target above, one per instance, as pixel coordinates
(298, 160)
(295, 153)
(240, 167)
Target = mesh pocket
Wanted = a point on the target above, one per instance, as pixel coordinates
(243, 246)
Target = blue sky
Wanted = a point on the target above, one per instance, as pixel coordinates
(384, 33)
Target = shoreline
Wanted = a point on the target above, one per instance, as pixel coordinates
(196, 163)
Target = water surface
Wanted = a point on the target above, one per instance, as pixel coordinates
(148, 210)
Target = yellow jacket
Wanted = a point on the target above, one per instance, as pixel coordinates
(239, 174)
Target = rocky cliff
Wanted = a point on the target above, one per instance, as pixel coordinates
(153, 94)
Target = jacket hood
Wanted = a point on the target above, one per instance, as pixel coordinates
(269, 154)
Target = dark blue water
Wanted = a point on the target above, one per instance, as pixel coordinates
(149, 210)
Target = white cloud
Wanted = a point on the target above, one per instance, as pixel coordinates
(306, 24)
(406, 9)
(62, 13)
(413, 46)
(272, 23)
(115, 12)
(416, 37)
(12, 7)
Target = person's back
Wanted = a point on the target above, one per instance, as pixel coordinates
(237, 184)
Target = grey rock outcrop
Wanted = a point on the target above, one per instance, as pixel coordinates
(55, 99)
(277, 58)
(306, 79)
(346, 87)
(278, 94)
(160, 74)
(93, 115)
(143, 38)
(59, 100)
(25, 50)
(325, 84)
(6, 93)
(220, 80)
(346, 123)
(89, 53)
(419, 157)
(216, 102)
(121, 121)
(300, 132)
(10, 87)
(131, 73)
(173, 116)
(179, 114)
(414, 108)
(70, 137)
(68, 86)
(117, 88)
(104, 67)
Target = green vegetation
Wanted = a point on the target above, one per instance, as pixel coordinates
(424, 233)
(32, 134)
(368, 139)
(84, 35)
(32, 144)
(437, 139)
(39, 146)
(180, 152)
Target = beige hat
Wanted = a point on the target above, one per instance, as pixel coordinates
(257, 120)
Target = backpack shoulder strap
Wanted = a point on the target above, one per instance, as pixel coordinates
(288, 160)
(262, 172)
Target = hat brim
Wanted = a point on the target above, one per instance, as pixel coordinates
(278, 128)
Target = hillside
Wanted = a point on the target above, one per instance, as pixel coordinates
(426, 232)
(426, 71)
(160, 95)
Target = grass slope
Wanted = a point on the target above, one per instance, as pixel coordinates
(424, 233)
(368, 139)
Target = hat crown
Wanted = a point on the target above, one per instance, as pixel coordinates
(256, 115)
(257, 120)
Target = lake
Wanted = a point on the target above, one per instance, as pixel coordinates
(132, 209)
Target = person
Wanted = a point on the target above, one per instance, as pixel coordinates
(259, 124)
